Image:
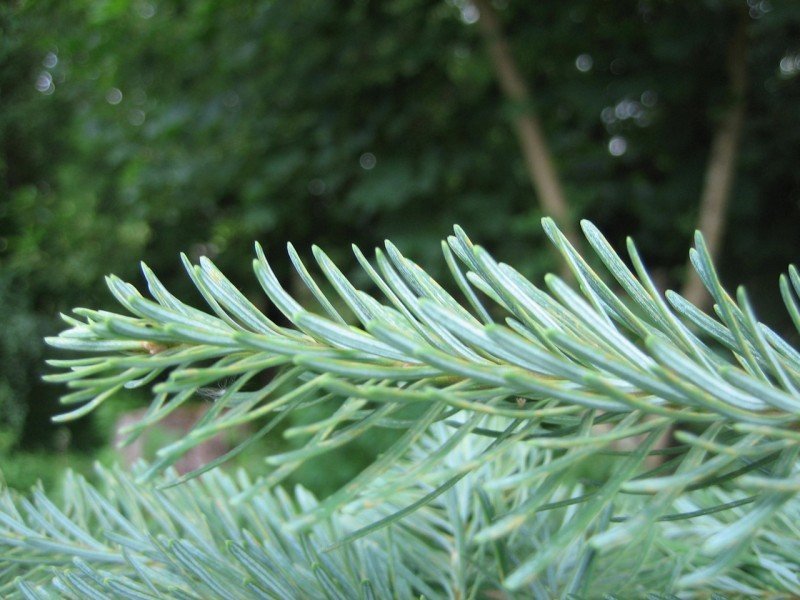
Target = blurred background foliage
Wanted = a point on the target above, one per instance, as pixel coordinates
(136, 129)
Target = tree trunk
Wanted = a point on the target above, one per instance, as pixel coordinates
(722, 161)
(538, 159)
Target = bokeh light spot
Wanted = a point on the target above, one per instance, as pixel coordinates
(367, 161)
(617, 145)
(114, 96)
(584, 63)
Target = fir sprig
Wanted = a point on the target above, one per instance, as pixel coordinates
(568, 372)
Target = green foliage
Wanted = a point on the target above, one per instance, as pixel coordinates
(506, 475)
(23, 469)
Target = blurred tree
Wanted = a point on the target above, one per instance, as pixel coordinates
(141, 128)
(718, 179)
(721, 169)
(534, 147)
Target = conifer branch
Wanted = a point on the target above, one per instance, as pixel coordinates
(522, 368)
